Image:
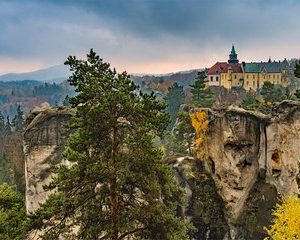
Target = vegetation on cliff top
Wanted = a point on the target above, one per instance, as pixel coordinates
(174, 98)
(201, 95)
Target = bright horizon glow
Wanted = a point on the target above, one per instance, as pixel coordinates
(13, 66)
(163, 67)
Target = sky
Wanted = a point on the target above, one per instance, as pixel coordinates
(146, 36)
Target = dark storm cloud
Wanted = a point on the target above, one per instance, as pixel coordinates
(142, 30)
(153, 18)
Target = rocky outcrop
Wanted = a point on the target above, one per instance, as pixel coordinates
(252, 159)
(252, 156)
(44, 138)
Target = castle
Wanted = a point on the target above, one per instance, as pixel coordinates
(250, 76)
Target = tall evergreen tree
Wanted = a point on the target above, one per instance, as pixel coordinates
(2, 123)
(66, 101)
(117, 186)
(13, 219)
(297, 74)
(174, 98)
(184, 131)
(201, 95)
(297, 70)
(272, 93)
(297, 93)
(18, 120)
(7, 129)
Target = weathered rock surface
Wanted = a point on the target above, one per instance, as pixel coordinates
(252, 155)
(44, 138)
(252, 158)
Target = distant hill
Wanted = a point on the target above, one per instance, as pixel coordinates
(184, 78)
(60, 73)
(20, 84)
(55, 74)
(30, 94)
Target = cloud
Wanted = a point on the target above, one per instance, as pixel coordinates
(144, 35)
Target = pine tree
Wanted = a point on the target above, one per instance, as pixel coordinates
(174, 98)
(201, 95)
(66, 101)
(272, 93)
(297, 70)
(18, 120)
(7, 129)
(2, 123)
(13, 219)
(297, 93)
(184, 133)
(117, 185)
(297, 74)
(250, 101)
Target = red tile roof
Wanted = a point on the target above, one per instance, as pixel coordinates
(219, 67)
(236, 67)
(222, 67)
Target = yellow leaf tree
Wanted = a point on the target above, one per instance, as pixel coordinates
(200, 123)
(286, 223)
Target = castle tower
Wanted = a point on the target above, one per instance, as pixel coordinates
(233, 56)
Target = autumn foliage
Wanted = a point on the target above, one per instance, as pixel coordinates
(200, 124)
(286, 224)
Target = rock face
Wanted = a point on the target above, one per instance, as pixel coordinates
(44, 138)
(252, 159)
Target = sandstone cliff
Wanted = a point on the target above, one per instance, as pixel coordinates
(252, 158)
(44, 138)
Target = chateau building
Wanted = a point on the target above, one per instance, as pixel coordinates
(250, 76)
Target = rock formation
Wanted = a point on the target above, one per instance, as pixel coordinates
(252, 159)
(44, 138)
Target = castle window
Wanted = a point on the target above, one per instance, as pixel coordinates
(235, 76)
(217, 78)
(211, 78)
(253, 76)
(273, 76)
(253, 84)
(247, 76)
